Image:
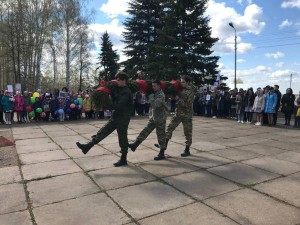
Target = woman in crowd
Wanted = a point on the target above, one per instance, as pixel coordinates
(7, 102)
(259, 106)
(249, 101)
(270, 105)
(287, 108)
(240, 106)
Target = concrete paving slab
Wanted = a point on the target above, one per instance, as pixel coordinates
(112, 147)
(30, 135)
(12, 198)
(274, 165)
(235, 154)
(286, 189)
(289, 156)
(113, 178)
(24, 149)
(205, 160)
(283, 145)
(96, 162)
(243, 174)
(207, 146)
(34, 142)
(95, 151)
(38, 157)
(193, 214)
(248, 207)
(201, 184)
(148, 199)
(68, 143)
(9, 175)
(25, 129)
(167, 167)
(60, 188)
(60, 133)
(262, 149)
(92, 210)
(16, 218)
(142, 154)
(49, 169)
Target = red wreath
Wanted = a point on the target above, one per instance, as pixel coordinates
(143, 85)
(104, 89)
(176, 84)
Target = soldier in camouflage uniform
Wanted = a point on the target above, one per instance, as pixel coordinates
(158, 117)
(122, 108)
(183, 114)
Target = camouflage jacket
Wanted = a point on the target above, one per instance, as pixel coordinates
(159, 107)
(185, 102)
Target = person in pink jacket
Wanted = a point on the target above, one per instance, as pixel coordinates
(18, 105)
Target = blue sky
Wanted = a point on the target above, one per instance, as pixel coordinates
(268, 38)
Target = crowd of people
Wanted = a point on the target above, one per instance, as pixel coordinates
(37, 106)
(240, 105)
(259, 107)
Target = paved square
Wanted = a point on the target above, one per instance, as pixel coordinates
(91, 210)
(236, 174)
(201, 184)
(149, 199)
(243, 174)
(250, 207)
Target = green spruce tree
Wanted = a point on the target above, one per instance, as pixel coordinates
(108, 59)
(185, 42)
(140, 36)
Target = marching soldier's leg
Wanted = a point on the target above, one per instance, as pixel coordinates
(188, 133)
(143, 135)
(123, 143)
(175, 121)
(107, 129)
(161, 137)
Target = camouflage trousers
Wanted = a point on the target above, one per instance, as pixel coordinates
(160, 132)
(187, 128)
(109, 127)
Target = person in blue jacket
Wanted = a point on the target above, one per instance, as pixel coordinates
(7, 102)
(270, 105)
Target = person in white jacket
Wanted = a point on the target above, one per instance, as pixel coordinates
(259, 106)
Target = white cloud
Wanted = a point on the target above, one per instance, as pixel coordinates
(279, 65)
(113, 8)
(285, 23)
(281, 74)
(261, 68)
(275, 55)
(241, 60)
(249, 2)
(113, 29)
(221, 15)
(291, 4)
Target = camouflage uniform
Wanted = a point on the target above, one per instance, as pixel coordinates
(158, 117)
(122, 108)
(183, 114)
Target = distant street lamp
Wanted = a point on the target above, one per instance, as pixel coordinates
(235, 48)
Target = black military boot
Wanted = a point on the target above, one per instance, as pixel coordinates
(186, 152)
(85, 147)
(157, 145)
(122, 161)
(161, 155)
(134, 145)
